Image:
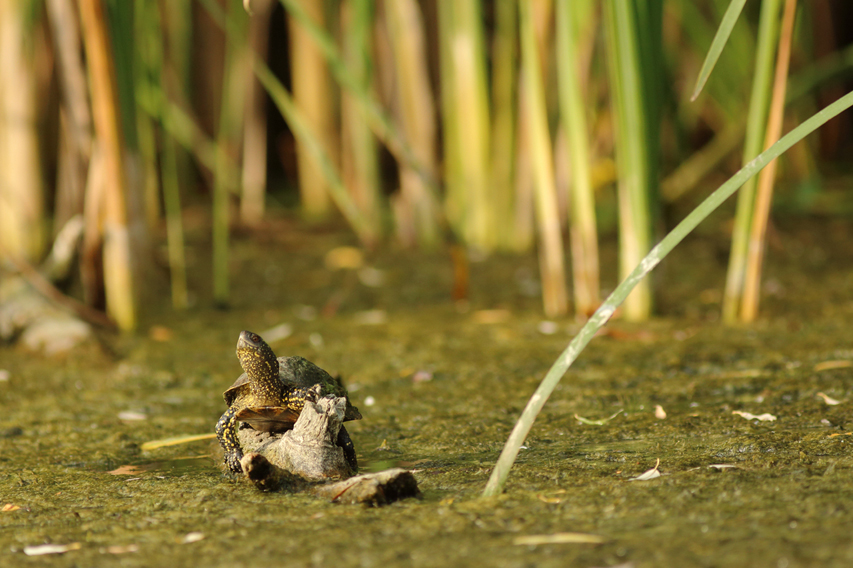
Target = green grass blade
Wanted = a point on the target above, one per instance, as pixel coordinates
(602, 315)
(723, 32)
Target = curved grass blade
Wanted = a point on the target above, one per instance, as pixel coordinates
(723, 32)
(600, 317)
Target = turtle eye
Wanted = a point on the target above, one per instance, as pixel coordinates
(256, 338)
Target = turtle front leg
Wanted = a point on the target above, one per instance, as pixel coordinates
(345, 443)
(226, 432)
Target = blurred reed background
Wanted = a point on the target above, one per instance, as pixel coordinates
(485, 126)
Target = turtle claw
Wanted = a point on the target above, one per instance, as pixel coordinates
(232, 462)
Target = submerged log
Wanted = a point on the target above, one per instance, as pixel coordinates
(308, 454)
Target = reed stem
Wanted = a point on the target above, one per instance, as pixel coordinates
(756, 127)
(551, 254)
(755, 255)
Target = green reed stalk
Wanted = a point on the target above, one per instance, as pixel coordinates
(417, 210)
(254, 178)
(659, 252)
(359, 150)
(571, 19)
(628, 93)
(755, 255)
(756, 127)
(466, 104)
(455, 202)
(230, 116)
(148, 60)
(504, 114)
(551, 266)
(174, 224)
(151, 36)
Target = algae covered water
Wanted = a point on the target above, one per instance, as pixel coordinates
(750, 427)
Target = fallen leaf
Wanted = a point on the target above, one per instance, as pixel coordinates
(660, 413)
(760, 417)
(43, 549)
(8, 507)
(650, 474)
(552, 500)
(129, 470)
(828, 400)
(559, 538)
(826, 365)
(193, 537)
(131, 416)
(599, 422)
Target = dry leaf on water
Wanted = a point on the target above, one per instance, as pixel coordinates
(650, 474)
(43, 549)
(766, 417)
(829, 400)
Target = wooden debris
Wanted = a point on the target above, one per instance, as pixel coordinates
(297, 460)
(373, 489)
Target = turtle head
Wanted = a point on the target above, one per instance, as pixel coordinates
(258, 360)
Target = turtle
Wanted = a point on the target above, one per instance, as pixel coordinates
(270, 394)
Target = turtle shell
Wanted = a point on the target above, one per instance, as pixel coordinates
(240, 386)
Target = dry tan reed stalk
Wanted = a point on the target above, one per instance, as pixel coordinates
(417, 116)
(117, 258)
(21, 193)
(312, 92)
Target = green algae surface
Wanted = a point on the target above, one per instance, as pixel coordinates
(440, 386)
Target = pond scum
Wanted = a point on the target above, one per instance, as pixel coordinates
(379, 218)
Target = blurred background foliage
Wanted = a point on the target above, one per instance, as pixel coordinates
(485, 127)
